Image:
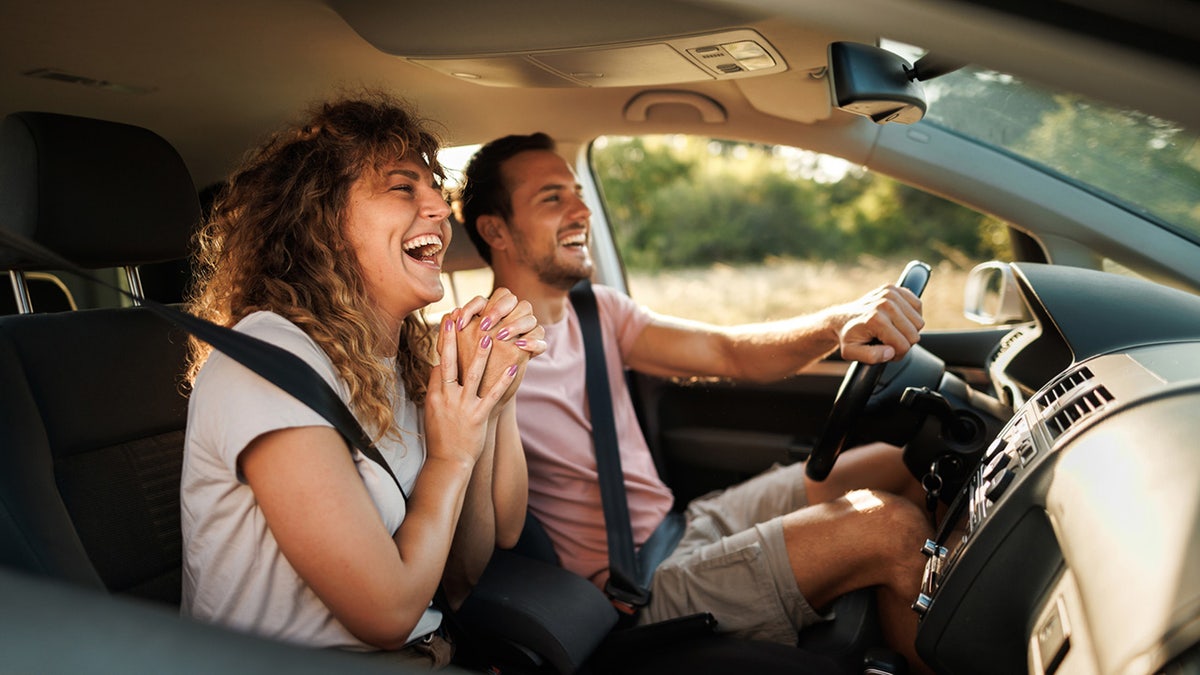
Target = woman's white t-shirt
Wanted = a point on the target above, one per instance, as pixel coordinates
(233, 571)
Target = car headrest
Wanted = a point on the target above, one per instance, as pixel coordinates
(101, 194)
(462, 254)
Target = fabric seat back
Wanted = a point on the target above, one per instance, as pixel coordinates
(92, 412)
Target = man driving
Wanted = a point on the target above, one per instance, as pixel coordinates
(765, 557)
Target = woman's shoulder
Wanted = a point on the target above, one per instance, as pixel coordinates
(265, 324)
(276, 329)
(281, 332)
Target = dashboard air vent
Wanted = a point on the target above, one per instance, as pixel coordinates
(1076, 397)
(1063, 387)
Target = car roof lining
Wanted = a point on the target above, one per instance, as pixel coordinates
(518, 28)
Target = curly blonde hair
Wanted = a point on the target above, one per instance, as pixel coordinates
(275, 241)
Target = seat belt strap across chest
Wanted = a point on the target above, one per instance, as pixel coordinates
(622, 585)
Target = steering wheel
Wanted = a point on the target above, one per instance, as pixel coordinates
(856, 388)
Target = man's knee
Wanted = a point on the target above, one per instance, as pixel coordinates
(897, 525)
(864, 538)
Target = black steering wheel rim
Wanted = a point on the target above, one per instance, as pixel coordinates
(854, 392)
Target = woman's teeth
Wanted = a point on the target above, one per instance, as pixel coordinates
(425, 247)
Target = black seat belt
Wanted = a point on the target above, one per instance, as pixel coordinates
(622, 583)
(629, 574)
(275, 364)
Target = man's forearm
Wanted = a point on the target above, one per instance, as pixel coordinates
(762, 352)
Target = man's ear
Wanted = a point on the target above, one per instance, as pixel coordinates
(493, 230)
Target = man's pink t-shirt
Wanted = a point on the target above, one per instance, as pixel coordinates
(564, 491)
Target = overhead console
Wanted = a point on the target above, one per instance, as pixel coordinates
(682, 44)
(714, 56)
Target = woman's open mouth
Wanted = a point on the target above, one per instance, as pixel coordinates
(424, 248)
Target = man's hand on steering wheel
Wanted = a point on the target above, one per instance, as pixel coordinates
(887, 328)
(885, 324)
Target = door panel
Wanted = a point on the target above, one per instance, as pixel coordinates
(710, 434)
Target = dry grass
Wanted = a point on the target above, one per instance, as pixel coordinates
(779, 289)
(728, 295)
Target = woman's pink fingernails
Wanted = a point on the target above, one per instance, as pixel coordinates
(449, 325)
(486, 323)
(520, 343)
(502, 335)
(512, 370)
(485, 342)
(461, 323)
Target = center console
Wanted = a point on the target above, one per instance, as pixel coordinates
(996, 554)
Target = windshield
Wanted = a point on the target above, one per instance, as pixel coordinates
(1148, 165)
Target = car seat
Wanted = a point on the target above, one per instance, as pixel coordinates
(91, 413)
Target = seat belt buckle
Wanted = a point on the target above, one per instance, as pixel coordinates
(627, 601)
(623, 607)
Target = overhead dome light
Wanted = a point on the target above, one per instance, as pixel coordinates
(749, 55)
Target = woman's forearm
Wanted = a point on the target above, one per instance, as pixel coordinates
(510, 481)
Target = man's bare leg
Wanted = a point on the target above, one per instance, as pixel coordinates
(861, 539)
(873, 466)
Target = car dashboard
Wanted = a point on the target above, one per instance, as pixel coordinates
(1074, 546)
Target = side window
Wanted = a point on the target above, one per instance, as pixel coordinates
(461, 284)
(731, 232)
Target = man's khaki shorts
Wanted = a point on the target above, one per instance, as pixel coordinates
(733, 563)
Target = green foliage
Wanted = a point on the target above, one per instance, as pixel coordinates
(1150, 164)
(676, 201)
(1149, 161)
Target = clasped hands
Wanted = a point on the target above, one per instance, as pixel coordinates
(498, 334)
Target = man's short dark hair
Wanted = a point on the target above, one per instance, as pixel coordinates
(484, 192)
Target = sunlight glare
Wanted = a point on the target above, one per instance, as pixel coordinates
(863, 501)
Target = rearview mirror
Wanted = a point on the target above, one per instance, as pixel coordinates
(991, 296)
(875, 83)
